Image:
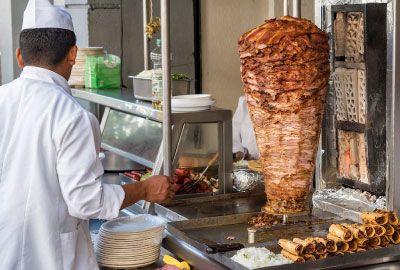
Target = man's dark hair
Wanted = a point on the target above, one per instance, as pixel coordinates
(45, 46)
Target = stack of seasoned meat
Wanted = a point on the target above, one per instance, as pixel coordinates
(285, 71)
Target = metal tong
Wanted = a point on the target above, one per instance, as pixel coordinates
(192, 184)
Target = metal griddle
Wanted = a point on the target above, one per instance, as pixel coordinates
(201, 232)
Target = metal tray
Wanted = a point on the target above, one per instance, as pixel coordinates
(198, 233)
(142, 87)
(211, 205)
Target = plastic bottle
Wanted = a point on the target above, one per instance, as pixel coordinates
(156, 80)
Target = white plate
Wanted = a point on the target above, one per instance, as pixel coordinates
(138, 223)
(196, 97)
(188, 103)
(191, 109)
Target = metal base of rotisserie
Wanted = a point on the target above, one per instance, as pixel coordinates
(285, 216)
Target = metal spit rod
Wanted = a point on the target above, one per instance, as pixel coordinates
(297, 8)
(285, 7)
(146, 41)
(166, 71)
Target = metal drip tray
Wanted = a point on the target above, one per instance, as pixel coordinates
(212, 206)
(199, 233)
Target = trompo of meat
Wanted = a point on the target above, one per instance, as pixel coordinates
(285, 71)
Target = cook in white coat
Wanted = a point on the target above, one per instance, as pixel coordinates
(49, 167)
(244, 138)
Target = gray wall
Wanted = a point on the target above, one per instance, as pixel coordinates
(103, 23)
(10, 27)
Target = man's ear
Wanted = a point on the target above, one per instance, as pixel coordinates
(18, 55)
(71, 56)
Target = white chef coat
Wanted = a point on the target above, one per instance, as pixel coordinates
(49, 176)
(244, 138)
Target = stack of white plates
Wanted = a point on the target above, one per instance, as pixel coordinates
(192, 103)
(129, 242)
(78, 71)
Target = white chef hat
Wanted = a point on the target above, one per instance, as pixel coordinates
(42, 14)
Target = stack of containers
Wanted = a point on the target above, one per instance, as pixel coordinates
(77, 78)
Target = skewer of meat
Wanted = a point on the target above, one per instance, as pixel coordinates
(285, 71)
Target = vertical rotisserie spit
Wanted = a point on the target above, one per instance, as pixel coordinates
(285, 71)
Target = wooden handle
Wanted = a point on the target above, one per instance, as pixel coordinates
(212, 161)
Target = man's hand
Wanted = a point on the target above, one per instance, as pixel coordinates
(156, 189)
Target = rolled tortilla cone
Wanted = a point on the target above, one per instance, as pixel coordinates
(342, 246)
(321, 256)
(385, 240)
(291, 246)
(360, 249)
(341, 232)
(363, 242)
(357, 233)
(367, 229)
(309, 257)
(320, 245)
(353, 245)
(395, 238)
(331, 246)
(308, 245)
(397, 228)
(389, 229)
(375, 241)
(374, 218)
(379, 230)
(339, 253)
(391, 215)
(292, 257)
(348, 252)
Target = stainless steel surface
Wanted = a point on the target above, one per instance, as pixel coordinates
(212, 206)
(166, 71)
(285, 7)
(199, 233)
(297, 8)
(114, 162)
(190, 254)
(122, 100)
(142, 87)
(146, 41)
(132, 136)
(393, 137)
(384, 266)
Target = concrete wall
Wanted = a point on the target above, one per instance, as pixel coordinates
(10, 27)
(223, 22)
(120, 31)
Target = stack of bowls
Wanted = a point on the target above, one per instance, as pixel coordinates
(77, 78)
(129, 242)
(192, 103)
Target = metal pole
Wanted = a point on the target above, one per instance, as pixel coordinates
(394, 144)
(285, 7)
(297, 8)
(166, 70)
(146, 41)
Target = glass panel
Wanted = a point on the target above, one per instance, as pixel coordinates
(200, 145)
(132, 134)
